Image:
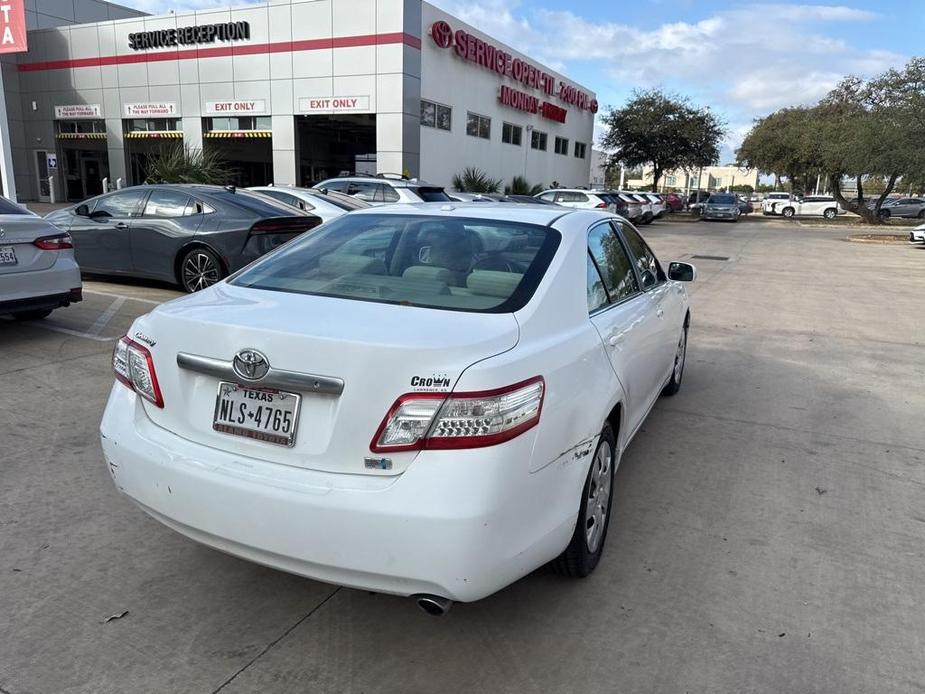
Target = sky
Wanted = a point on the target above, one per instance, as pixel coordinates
(741, 59)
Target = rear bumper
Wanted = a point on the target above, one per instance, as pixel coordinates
(58, 285)
(459, 524)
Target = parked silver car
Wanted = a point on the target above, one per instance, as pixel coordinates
(38, 272)
(903, 207)
(721, 206)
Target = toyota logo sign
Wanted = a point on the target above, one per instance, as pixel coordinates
(441, 33)
(250, 365)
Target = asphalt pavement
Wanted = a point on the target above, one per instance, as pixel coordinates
(768, 531)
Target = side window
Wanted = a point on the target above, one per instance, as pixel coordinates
(340, 186)
(548, 196)
(287, 198)
(365, 191)
(123, 204)
(579, 197)
(611, 259)
(166, 203)
(389, 194)
(197, 207)
(648, 266)
(597, 295)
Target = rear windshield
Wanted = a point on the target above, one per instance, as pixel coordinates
(7, 207)
(344, 202)
(475, 265)
(257, 204)
(432, 194)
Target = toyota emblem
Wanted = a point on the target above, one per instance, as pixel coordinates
(441, 33)
(250, 365)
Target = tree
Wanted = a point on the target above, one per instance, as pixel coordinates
(473, 180)
(663, 131)
(175, 163)
(864, 130)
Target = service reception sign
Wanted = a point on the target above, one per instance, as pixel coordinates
(151, 109)
(72, 111)
(12, 26)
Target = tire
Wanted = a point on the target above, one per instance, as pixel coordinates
(647, 218)
(587, 544)
(33, 315)
(884, 214)
(199, 268)
(788, 212)
(680, 357)
(921, 214)
(830, 213)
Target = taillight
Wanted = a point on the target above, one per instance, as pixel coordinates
(58, 242)
(133, 366)
(295, 225)
(418, 421)
(601, 206)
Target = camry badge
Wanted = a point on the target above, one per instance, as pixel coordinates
(250, 365)
(2, 233)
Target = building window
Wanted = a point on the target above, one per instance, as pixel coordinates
(511, 134)
(671, 181)
(435, 115)
(81, 126)
(561, 145)
(239, 123)
(580, 149)
(538, 141)
(478, 126)
(151, 124)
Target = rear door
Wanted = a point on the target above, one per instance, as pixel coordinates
(156, 237)
(101, 241)
(666, 304)
(624, 317)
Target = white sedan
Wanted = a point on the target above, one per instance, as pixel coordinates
(426, 400)
(327, 205)
(917, 235)
(38, 272)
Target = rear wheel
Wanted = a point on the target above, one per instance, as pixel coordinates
(884, 214)
(200, 268)
(587, 543)
(921, 214)
(829, 213)
(33, 315)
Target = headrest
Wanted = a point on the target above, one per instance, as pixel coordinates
(493, 282)
(428, 272)
(348, 264)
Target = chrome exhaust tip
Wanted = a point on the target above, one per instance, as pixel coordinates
(434, 605)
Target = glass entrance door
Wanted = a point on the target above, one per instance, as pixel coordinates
(42, 174)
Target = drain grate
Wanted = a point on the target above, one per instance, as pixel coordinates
(710, 257)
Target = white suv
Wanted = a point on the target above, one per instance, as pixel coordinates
(771, 202)
(385, 188)
(810, 206)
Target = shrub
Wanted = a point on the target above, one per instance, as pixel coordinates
(176, 163)
(474, 180)
(521, 186)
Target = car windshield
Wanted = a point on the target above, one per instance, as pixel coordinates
(7, 207)
(722, 200)
(258, 204)
(432, 194)
(344, 202)
(453, 263)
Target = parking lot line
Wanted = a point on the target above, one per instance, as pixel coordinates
(68, 331)
(122, 296)
(106, 316)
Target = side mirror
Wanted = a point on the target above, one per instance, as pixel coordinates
(82, 211)
(682, 272)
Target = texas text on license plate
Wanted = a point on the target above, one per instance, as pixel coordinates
(7, 255)
(258, 413)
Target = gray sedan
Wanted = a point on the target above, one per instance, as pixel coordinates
(37, 269)
(193, 235)
(903, 207)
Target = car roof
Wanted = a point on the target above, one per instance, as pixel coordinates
(397, 182)
(542, 215)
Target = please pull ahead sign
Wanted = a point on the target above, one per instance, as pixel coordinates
(12, 26)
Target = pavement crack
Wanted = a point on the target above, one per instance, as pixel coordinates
(269, 645)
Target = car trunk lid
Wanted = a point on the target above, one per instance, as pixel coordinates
(17, 234)
(379, 352)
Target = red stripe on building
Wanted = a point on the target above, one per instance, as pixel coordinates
(226, 51)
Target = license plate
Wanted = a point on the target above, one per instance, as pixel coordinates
(257, 413)
(8, 255)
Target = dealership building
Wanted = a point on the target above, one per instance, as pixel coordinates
(293, 91)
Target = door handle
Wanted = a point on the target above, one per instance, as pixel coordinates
(121, 225)
(616, 339)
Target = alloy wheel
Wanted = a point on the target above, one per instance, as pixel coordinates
(597, 505)
(680, 356)
(200, 271)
